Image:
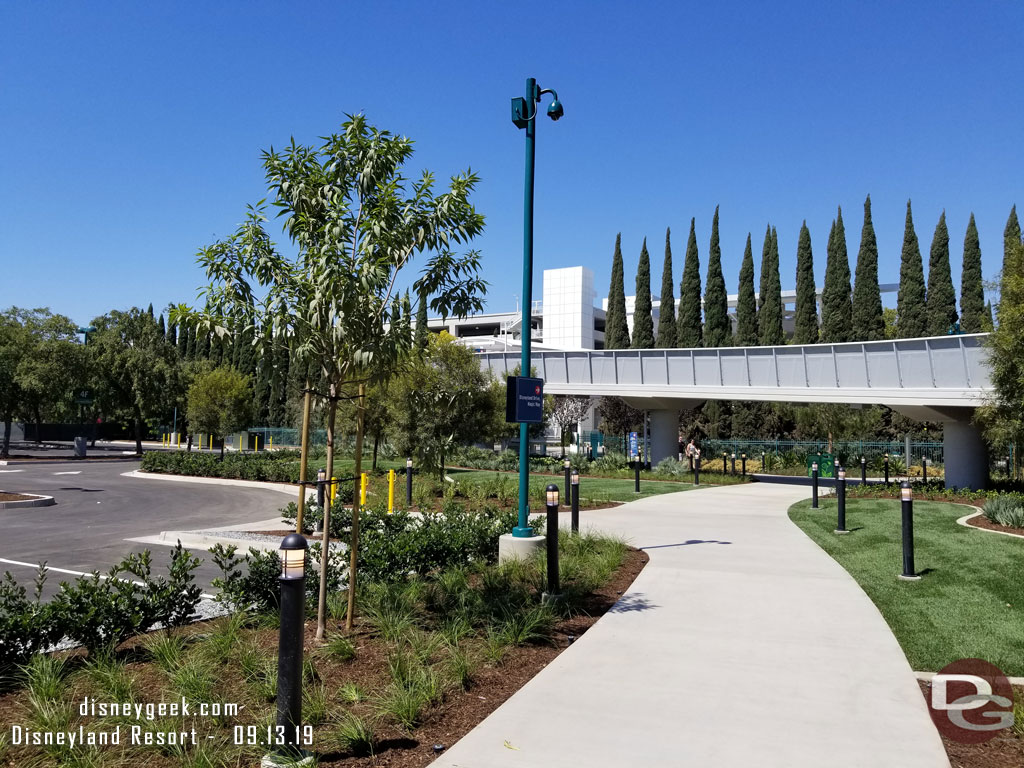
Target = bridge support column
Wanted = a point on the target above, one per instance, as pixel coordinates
(965, 455)
(664, 435)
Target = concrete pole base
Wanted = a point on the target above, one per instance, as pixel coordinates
(518, 547)
(279, 761)
(901, 577)
(547, 598)
(840, 533)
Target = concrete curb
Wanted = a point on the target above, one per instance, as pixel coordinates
(279, 487)
(203, 541)
(35, 501)
(963, 521)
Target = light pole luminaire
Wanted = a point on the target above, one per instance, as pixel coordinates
(524, 112)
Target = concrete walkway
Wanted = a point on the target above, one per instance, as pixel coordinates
(740, 644)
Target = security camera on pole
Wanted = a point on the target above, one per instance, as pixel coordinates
(524, 395)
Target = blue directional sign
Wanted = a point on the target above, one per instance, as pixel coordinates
(524, 400)
(634, 445)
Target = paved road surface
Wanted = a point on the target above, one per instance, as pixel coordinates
(97, 509)
(740, 645)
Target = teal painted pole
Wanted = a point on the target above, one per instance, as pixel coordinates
(532, 97)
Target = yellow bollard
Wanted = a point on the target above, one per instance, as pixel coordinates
(179, 439)
(334, 489)
(363, 488)
(211, 442)
(391, 491)
(270, 445)
(257, 442)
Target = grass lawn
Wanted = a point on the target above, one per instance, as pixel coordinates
(596, 489)
(970, 601)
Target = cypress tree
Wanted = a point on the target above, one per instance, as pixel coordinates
(941, 301)
(836, 306)
(161, 326)
(746, 303)
(717, 326)
(422, 331)
(616, 330)
(805, 329)
(172, 334)
(769, 305)
(190, 342)
(643, 324)
(972, 292)
(667, 311)
(911, 320)
(149, 311)
(868, 324)
(987, 319)
(202, 345)
(688, 328)
(1011, 237)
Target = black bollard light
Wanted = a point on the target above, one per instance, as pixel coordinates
(321, 487)
(841, 498)
(885, 464)
(907, 509)
(725, 462)
(814, 485)
(408, 482)
(924, 468)
(636, 477)
(863, 470)
(567, 469)
(733, 471)
(551, 501)
(764, 462)
(743, 464)
(696, 467)
(575, 500)
(289, 650)
(321, 493)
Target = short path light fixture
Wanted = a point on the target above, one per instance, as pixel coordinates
(408, 482)
(551, 502)
(287, 751)
(907, 513)
(575, 501)
(841, 498)
(814, 485)
(567, 467)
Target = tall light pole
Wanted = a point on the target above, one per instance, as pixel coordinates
(524, 113)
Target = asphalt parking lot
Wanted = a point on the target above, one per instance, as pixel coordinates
(98, 508)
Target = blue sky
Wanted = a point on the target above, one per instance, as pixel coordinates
(130, 132)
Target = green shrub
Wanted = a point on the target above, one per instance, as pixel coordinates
(27, 626)
(1005, 510)
(250, 582)
(672, 467)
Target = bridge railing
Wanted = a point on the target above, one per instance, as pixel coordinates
(941, 362)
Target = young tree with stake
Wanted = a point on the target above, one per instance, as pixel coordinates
(357, 223)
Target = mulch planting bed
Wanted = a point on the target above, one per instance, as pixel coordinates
(983, 522)
(443, 724)
(14, 497)
(1006, 750)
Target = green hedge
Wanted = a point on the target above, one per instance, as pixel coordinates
(277, 467)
